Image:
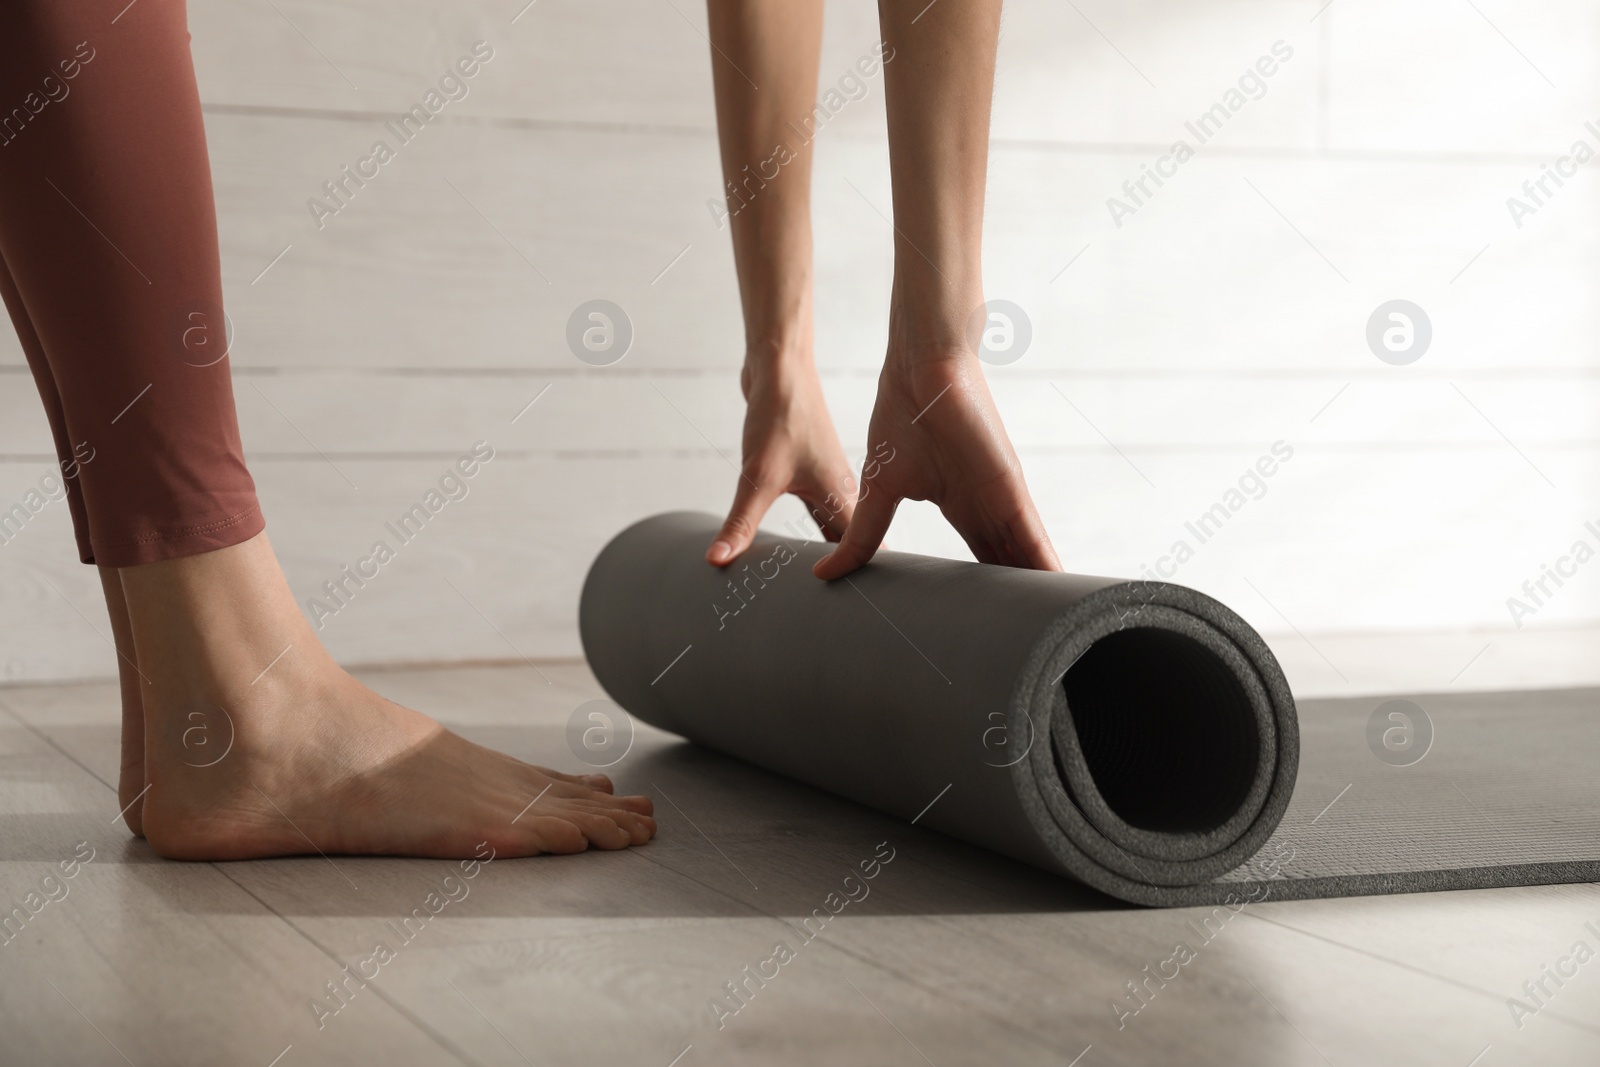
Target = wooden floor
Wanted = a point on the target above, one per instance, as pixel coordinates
(953, 956)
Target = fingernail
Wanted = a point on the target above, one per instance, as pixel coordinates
(720, 551)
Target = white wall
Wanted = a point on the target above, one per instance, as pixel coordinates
(1228, 313)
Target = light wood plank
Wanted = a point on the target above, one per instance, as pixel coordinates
(170, 963)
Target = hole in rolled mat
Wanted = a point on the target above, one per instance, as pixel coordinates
(1166, 729)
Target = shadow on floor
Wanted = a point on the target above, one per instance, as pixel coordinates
(735, 842)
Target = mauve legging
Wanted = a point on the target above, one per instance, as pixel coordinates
(110, 270)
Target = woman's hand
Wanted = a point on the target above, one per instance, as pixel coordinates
(943, 439)
(790, 446)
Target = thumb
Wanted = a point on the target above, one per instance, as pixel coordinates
(861, 538)
(750, 503)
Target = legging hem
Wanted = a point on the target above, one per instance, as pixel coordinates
(176, 544)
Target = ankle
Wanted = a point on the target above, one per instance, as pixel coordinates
(215, 624)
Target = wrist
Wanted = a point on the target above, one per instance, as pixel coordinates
(934, 325)
(777, 365)
(778, 327)
(781, 352)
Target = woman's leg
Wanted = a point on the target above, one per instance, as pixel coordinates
(130, 782)
(255, 742)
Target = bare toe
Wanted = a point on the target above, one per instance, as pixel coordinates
(553, 833)
(600, 783)
(639, 828)
(640, 805)
(601, 830)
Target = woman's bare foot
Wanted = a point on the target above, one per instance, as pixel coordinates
(130, 779)
(257, 744)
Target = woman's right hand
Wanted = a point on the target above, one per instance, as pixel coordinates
(790, 446)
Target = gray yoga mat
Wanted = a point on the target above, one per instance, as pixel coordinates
(1136, 736)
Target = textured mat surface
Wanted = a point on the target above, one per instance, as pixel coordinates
(1136, 736)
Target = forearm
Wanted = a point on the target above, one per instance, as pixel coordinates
(938, 93)
(764, 65)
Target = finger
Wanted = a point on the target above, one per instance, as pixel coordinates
(1031, 545)
(984, 552)
(1012, 546)
(1025, 540)
(832, 519)
(984, 538)
(751, 500)
(1003, 527)
(861, 538)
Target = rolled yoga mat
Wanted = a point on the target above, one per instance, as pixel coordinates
(1137, 736)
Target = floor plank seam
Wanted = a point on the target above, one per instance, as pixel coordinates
(422, 1025)
(47, 739)
(1424, 972)
(1042, 1040)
